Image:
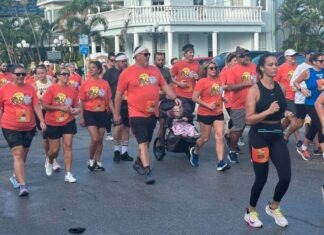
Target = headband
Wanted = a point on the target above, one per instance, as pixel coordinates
(121, 57)
(139, 50)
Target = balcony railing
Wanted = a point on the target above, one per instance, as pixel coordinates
(215, 15)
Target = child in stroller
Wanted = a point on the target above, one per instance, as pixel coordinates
(180, 133)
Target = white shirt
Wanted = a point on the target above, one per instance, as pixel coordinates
(299, 97)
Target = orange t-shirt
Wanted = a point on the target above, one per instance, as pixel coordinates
(210, 92)
(51, 73)
(184, 70)
(5, 78)
(18, 103)
(239, 74)
(142, 86)
(75, 80)
(30, 80)
(95, 95)
(58, 95)
(227, 94)
(284, 74)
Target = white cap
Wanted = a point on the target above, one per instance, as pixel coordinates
(290, 52)
(47, 62)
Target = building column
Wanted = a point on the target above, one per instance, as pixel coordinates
(102, 47)
(136, 40)
(214, 43)
(53, 16)
(256, 41)
(93, 47)
(117, 46)
(170, 47)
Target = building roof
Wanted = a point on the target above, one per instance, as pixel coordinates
(18, 9)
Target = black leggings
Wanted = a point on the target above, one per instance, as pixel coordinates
(315, 126)
(263, 139)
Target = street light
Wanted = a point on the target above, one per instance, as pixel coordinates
(23, 45)
(154, 30)
(60, 41)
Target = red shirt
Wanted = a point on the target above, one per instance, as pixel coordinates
(142, 86)
(58, 95)
(18, 103)
(284, 74)
(184, 70)
(210, 92)
(75, 80)
(239, 74)
(5, 78)
(95, 95)
(224, 79)
(30, 80)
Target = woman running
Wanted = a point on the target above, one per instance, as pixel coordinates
(265, 108)
(208, 94)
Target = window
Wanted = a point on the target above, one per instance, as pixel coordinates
(263, 3)
(198, 2)
(237, 3)
(157, 2)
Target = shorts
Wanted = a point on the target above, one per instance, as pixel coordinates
(19, 138)
(300, 111)
(291, 106)
(209, 120)
(238, 119)
(143, 128)
(124, 113)
(56, 132)
(98, 119)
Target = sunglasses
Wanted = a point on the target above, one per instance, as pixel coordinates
(20, 74)
(321, 61)
(112, 60)
(64, 74)
(212, 68)
(242, 55)
(146, 54)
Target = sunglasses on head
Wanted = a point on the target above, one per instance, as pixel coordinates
(20, 74)
(64, 74)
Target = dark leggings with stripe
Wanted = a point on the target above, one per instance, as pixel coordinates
(315, 126)
(269, 136)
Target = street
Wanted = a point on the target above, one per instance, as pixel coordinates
(184, 200)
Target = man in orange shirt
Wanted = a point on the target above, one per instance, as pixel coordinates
(185, 74)
(5, 76)
(142, 82)
(284, 75)
(240, 78)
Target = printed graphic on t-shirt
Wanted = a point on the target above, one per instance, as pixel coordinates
(73, 83)
(246, 77)
(290, 74)
(185, 72)
(95, 92)
(20, 98)
(3, 81)
(60, 98)
(216, 89)
(144, 79)
(22, 115)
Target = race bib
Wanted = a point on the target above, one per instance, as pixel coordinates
(61, 116)
(260, 155)
(22, 115)
(150, 106)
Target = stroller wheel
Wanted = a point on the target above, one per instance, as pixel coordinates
(158, 149)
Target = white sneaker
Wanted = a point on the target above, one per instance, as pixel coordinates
(109, 137)
(46, 162)
(56, 165)
(277, 215)
(252, 219)
(69, 178)
(49, 169)
(240, 142)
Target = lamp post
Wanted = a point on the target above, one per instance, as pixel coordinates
(154, 31)
(24, 45)
(59, 42)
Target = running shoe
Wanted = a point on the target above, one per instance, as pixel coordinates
(303, 153)
(14, 181)
(194, 157)
(117, 156)
(56, 166)
(69, 178)
(99, 166)
(241, 142)
(48, 169)
(223, 166)
(252, 219)
(91, 165)
(126, 157)
(149, 179)
(109, 137)
(277, 215)
(23, 192)
(232, 157)
(299, 143)
(138, 167)
(318, 152)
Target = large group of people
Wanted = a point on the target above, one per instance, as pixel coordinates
(273, 100)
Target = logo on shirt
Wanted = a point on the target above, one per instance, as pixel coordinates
(216, 89)
(144, 79)
(73, 83)
(20, 98)
(290, 74)
(246, 77)
(185, 72)
(3, 81)
(60, 98)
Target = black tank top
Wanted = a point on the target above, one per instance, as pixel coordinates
(267, 97)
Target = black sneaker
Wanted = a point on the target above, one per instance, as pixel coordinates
(91, 165)
(99, 166)
(138, 167)
(117, 156)
(318, 152)
(232, 157)
(299, 143)
(149, 179)
(126, 157)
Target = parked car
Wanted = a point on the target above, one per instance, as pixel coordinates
(202, 60)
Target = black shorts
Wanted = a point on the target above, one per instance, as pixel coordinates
(291, 106)
(143, 128)
(301, 111)
(56, 132)
(98, 119)
(209, 120)
(124, 113)
(19, 138)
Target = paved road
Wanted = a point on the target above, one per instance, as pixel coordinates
(184, 200)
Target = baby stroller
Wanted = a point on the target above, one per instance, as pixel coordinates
(172, 140)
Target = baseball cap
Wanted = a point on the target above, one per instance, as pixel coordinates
(290, 52)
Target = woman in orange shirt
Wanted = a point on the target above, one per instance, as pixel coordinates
(61, 104)
(208, 94)
(95, 102)
(18, 102)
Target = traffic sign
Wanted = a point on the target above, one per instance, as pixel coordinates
(84, 44)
